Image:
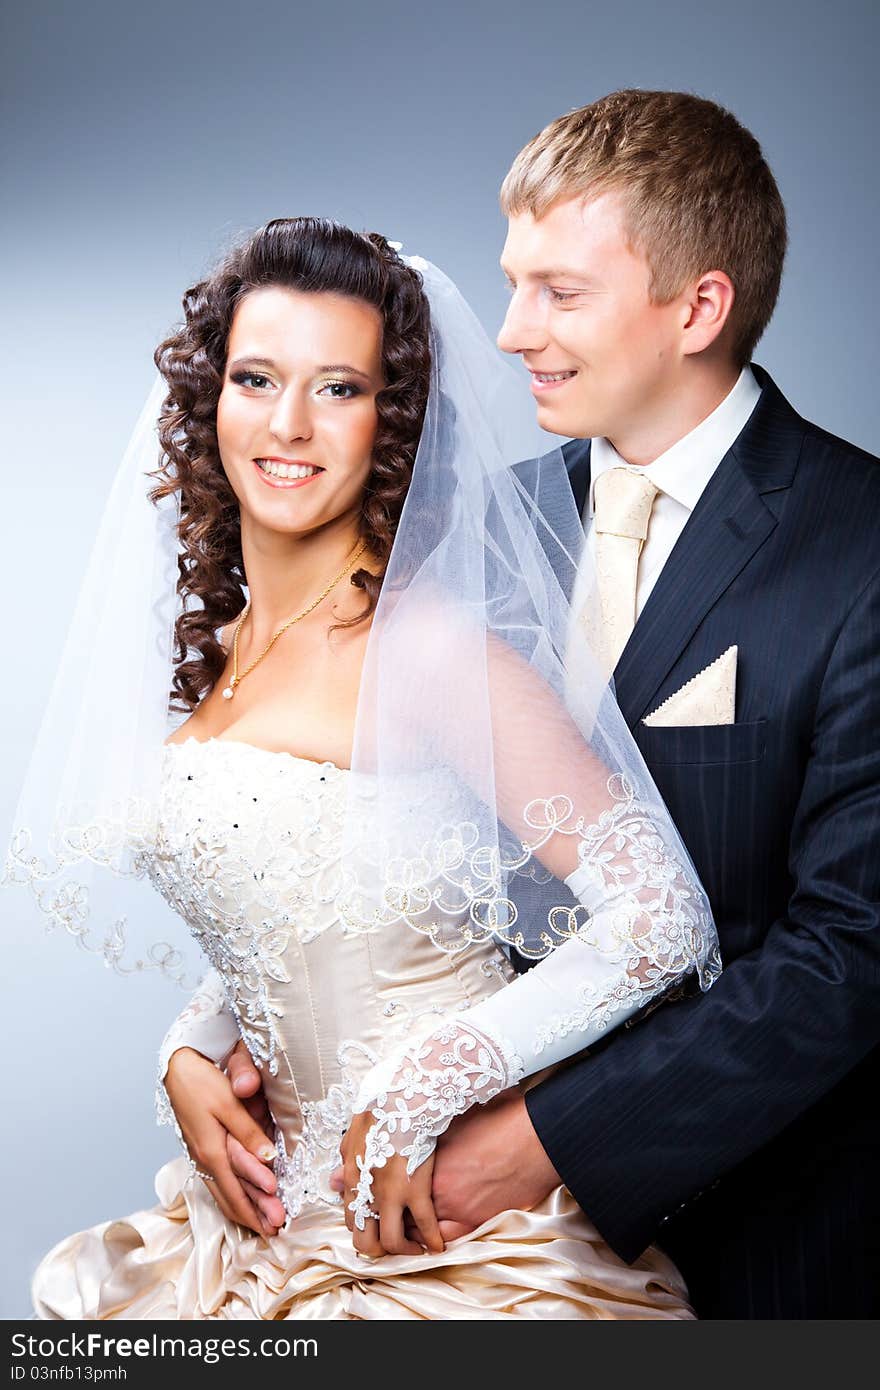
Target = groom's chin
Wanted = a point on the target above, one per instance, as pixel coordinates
(561, 422)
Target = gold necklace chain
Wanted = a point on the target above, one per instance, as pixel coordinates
(236, 678)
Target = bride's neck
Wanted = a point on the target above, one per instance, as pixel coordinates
(286, 573)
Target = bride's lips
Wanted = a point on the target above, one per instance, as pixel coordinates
(272, 481)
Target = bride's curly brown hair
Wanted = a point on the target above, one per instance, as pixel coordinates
(313, 255)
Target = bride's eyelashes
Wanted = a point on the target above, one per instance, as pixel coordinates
(340, 386)
(258, 381)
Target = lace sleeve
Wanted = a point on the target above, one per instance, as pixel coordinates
(206, 1024)
(633, 942)
(638, 922)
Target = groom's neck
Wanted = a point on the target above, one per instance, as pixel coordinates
(674, 410)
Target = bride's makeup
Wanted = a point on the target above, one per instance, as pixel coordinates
(297, 416)
(286, 473)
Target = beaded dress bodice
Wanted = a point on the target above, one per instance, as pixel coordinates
(248, 852)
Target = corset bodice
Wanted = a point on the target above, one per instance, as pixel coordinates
(249, 852)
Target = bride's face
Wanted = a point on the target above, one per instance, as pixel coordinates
(296, 418)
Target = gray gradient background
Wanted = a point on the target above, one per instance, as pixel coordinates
(135, 145)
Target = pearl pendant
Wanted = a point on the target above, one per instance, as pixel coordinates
(228, 693)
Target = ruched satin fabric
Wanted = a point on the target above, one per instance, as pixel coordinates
(183, 1260)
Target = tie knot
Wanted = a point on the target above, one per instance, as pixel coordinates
(623, 500)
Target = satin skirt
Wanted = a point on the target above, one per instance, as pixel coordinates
(183, 1260)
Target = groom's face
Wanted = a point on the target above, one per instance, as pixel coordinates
(603, 357)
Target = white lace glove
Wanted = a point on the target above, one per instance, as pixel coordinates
(416, 1093)
(629, 950)
(207, 1025)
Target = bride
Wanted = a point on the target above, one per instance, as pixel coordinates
(396, 761)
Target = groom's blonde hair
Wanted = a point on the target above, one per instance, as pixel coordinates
(697, 193)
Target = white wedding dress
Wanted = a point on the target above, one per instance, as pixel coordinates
(248, 852)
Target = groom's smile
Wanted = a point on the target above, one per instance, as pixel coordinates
(547, 381)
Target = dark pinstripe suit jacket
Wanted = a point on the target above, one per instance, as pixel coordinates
(738, 1129)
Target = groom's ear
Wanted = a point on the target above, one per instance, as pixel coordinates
(706, 304)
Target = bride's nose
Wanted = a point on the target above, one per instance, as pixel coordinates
(291, 417)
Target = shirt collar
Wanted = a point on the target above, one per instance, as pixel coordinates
(684, 470)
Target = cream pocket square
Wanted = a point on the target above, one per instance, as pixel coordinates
(709, 698)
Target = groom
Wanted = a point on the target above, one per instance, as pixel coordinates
(740, 602)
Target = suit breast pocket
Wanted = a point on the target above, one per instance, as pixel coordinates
(703, 744)
(717, 786)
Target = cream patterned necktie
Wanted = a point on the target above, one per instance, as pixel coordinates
(622, 501)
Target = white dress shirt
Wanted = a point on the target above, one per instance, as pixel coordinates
(681, 474)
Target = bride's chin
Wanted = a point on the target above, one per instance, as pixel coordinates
(279, 517)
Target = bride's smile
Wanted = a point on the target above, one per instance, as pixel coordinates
(286, 473)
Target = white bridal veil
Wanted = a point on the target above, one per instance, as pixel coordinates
(495, 788)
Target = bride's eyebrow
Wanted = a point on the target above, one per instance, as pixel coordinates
(343, 367)
(252, 362)
(268, 364)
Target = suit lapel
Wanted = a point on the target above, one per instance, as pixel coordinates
(577, 460)
(719, 539)
(729, 524)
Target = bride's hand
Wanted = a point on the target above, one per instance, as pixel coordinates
(393, 1194)
(211, 1119)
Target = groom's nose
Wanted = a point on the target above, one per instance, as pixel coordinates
(524, 328)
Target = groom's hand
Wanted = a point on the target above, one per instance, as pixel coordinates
(489, 1160)
(222, 1119)
(257, 1180)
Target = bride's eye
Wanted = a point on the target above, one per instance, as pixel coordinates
(339, 390)
(257, 380)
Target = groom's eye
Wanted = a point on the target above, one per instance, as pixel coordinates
(560, 296)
